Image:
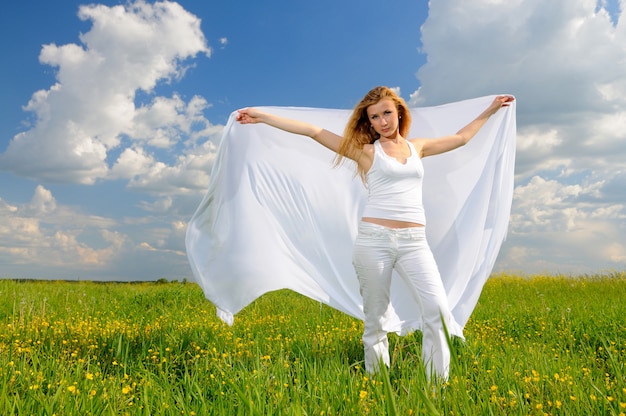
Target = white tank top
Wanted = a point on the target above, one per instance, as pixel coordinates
(394, 188)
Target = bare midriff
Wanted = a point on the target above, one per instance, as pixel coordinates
(391, 223)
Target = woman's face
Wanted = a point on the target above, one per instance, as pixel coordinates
(383, 116)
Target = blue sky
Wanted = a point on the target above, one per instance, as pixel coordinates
(111, 113)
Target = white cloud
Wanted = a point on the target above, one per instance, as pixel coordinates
(41, 232)
(44, 239)
(608, 129)
(131, 163)
(553, 55)
(188, 174)
(166, 121)
(91, 110)
(565, 62)
(539, 141)
(564, 228)
(42, 202)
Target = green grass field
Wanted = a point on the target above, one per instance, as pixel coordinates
(535, 345)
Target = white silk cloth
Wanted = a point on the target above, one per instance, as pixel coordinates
(278, 215)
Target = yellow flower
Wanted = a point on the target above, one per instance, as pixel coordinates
(363, 394)
(126, 389)
(71, 389)
(89, 376)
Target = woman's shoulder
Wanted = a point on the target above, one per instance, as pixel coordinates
(366, 157)
(369, 149)
(418, 143)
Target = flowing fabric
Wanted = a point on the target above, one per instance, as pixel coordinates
(278, 215)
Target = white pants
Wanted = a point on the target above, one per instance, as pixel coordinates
(377, 251)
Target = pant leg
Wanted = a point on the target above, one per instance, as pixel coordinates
(373, 260)
(416, 265)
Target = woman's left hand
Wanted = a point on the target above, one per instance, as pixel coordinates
(501, 101)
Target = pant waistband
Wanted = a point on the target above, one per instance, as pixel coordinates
(369, 227)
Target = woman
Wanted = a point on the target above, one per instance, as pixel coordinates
(392, 228)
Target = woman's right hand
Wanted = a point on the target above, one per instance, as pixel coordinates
(249, 115)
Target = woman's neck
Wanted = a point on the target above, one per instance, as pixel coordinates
(397, 138)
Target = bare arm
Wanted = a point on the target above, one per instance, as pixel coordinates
(430, 147)
(322, 136)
